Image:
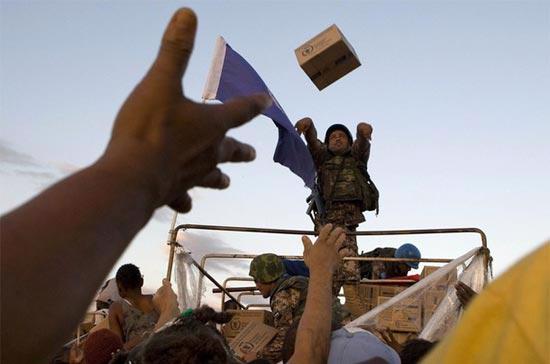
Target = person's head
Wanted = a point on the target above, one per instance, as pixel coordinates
(189, 341)
(414, 350)
(230, 305)
(266, 269)
(100, 346)
(407, 251)
(128, 280)
(338, 139)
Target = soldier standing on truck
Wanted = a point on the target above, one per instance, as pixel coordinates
(345, 188)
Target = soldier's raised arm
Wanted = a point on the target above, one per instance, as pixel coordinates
(361, 146)
(306, 126)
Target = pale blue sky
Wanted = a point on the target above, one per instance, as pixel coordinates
(457, 93)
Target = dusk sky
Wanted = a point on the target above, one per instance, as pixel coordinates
(457, 93)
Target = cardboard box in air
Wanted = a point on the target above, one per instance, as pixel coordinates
(327, 57)
(252, 338)
(404, 316)
(241, 318)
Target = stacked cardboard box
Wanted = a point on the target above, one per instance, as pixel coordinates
(327, 57)
(405, 316)
(241, 318)
(369, 294)
(434, 295)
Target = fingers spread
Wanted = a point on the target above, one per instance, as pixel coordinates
(182, 204)
(215, 179)
(325, 231)
(335, 235)
(306, 241)
(231, 150)
(177, 44)
(240, 110)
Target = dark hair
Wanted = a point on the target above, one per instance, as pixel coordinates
(230, 305)
(414, 350)
(190, 340)
(129, 276)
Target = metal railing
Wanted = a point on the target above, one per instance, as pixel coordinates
(185, 227)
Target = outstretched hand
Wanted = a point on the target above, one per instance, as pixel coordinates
(175, 142)
(324, 253)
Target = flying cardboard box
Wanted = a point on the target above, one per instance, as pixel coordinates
(327, 57)
(252, 339)
(241, 318)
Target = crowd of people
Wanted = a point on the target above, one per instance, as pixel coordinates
(162, 145)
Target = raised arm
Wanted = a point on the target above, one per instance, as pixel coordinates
(305, 126)
(361, 146)
(313, 335)
(58, 247)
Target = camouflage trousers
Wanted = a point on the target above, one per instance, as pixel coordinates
(347, 216)
(348, 270)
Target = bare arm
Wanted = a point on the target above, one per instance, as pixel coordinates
(58, 247)
(115, 319)
(313, 335)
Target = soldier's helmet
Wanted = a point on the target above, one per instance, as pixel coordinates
(266, 268)
(340, 127)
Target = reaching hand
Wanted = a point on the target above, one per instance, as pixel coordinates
(165, 299)
(303, 125)
(324, 253)
(364, 130)
(175, 142)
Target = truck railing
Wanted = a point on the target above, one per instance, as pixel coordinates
(173, 243)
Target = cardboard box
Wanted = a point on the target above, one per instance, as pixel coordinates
(369, 293)
(241, 318)
(252, 338)
(327, 57)
(444, 282)
(405, 316)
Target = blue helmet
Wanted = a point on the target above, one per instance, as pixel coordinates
(408, 251)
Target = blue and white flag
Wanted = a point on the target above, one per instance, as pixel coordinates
(231, 76)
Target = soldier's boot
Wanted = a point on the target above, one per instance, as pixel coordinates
(354, 304)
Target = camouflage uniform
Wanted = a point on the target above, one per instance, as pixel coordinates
(287, 300)
(341, 190)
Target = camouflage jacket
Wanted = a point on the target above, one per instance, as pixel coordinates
(287, 305)
(341, 182)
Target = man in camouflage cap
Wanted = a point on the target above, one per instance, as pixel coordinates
(345, 188)
(287, 297)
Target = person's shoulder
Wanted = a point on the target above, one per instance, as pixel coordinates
(116, 307)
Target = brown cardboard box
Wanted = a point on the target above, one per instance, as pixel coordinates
(241, 318)
(252, 338)
(405, 316)
(327, 57)
(390, 291)
(444, 282)
(369, 293)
